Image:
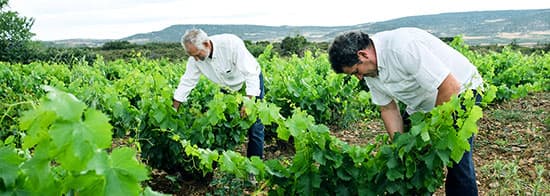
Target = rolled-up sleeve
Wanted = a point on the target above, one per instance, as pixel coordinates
(187, 82)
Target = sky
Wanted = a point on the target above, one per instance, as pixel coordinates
(115, 19)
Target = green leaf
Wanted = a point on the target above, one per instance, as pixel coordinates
(307, 183)
(124, 161)
(230, 162)
(159, 115)
(417, 128)
(207, 157)
(257, 166)
(39, 170)
(98, 128)
(121, 171)
(298, 123)
(36, 122)
(283, 133)
(470, 124)
(76, 141)
(443, 156)
(65, 105)
(269, 113)
(86, 184)
(275, 168)
(429, 160)
(394, 174)
(8, 140)
(490, 94)
(460, 148)
(321, 132)
(410, 164)
(392, 162)
(9, 165)
(357, 154)
(71, 143)
(425, 135)
(301, 163)
(119, 182)
(318, 156)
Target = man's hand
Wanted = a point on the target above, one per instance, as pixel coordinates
(243, 112)
(176, 104)
(243, 109)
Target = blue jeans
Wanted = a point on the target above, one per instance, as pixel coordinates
(461, 177)
(256, 132)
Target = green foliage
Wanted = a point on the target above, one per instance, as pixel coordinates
(64, 152)
(412, 164)
(513, 73)
(113, 45)
(15, 35)
(293, 45)
(14, 27)
(67, 56)
(256, 48)
(303, 94)
(229, 185)
(309, 83)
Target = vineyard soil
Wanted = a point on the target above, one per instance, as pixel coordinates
(511, 153)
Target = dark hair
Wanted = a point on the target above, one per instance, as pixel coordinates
(343, 50)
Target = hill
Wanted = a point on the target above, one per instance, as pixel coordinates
(525, 27)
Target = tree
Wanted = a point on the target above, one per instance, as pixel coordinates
(15, 35)
(256, 48)
(118, 45)
(293, 45)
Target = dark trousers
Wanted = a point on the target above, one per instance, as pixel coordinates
(256, 132)
(461, 177)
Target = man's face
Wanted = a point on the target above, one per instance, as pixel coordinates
(196, 53)
(362, 69)
(366, 67)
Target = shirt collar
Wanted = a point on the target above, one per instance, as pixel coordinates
(212, 49)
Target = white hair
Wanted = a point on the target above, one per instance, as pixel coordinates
(196, 37)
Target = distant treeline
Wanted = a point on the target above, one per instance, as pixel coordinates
(174, 51)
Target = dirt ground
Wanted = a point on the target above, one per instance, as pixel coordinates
(512, 140)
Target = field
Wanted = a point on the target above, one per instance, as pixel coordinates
(511, 154)
(108, 128)
(511, 142)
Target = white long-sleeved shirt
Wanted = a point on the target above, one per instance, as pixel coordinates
(231, 66)
(412, 64)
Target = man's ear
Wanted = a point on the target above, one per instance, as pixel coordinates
(362, 54)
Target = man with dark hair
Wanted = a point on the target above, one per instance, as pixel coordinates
(416, 68)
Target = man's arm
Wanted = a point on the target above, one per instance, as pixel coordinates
(187, 82)
(176, 104)
(449, 87)
(392, 118)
